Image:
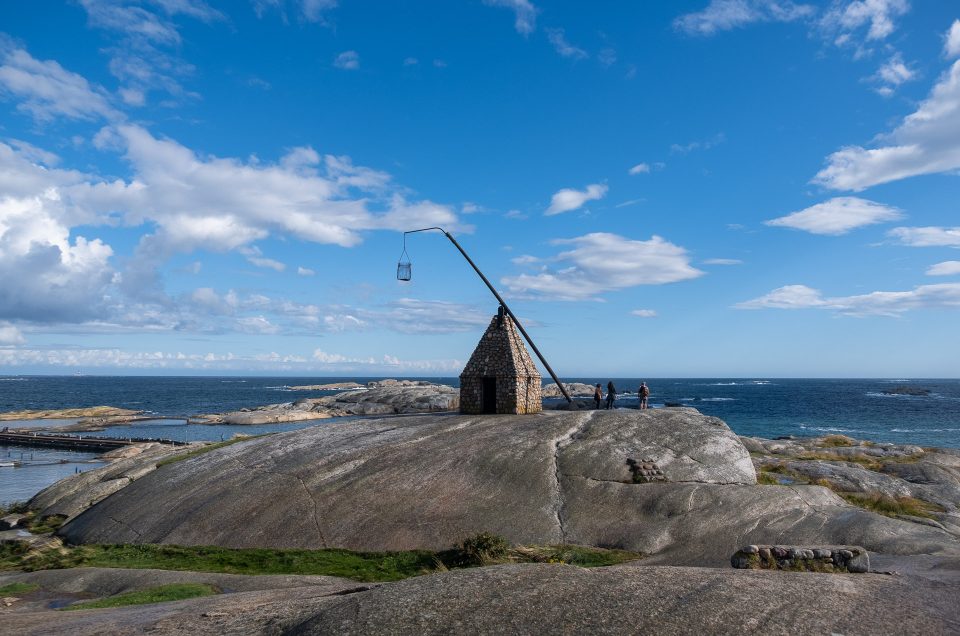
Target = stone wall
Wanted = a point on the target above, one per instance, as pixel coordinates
(813, 559)
(501, 354)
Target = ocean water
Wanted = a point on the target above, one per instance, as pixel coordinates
(764, 407)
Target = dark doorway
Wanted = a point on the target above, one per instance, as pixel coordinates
(489, 395)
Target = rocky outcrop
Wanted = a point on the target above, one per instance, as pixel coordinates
(531, 599)
(575, 389)
(384, 397)
(430, 481)
(107, 412)
(336, 386)
(890, 472)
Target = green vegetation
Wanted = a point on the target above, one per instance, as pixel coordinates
(484, 548)
(892, 506)
(206, 449)
(833, 441)
(875, 464)
(360, 566)
(45, 525)
(15, 507)
(764, 478)
(18, 588)
(160, 594)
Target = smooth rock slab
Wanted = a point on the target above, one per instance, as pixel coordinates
(431, 481)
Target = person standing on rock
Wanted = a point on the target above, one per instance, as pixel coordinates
(611, 394)
(643, 393)
(597, 395)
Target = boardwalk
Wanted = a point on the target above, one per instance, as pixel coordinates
(75, 442)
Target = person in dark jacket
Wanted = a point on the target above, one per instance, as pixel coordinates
(598, 395)
(611, 394)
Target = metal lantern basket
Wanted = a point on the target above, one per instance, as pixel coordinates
(404, 268)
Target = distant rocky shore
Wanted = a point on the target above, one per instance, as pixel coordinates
(384, 397)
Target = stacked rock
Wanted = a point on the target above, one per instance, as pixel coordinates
(645, 471)
(800, 559)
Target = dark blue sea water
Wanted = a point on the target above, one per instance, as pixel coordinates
(765, 407)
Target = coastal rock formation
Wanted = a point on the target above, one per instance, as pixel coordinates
(384, 397)
(430, 481)
(575, 389)
(906, 481)
(336, 386)
(91, 411)
(519, 599)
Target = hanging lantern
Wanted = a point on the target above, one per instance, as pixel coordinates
(404, 268)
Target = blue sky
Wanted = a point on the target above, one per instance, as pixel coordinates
(698, 188)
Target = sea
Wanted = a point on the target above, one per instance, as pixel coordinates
(873, 409)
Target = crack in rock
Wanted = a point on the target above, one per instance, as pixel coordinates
(558, 445)
(316, 521)
(127, 526)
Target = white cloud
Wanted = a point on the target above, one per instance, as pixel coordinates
(878, 303)
(525, 12)
(410, 315)
(256, 325)
(926, 142)
(559, 41)
(305, 271)
(724, 15)
(348, 60)
(707, 144)
(927, 236)
(602, 262)
(892, 74)
(255, 257)
(640, 168)
(146, 55)
(951, 44)
(46, 90)
(946, 268)
(644, 313)
(845, 19)
(569, 199)
(313, 10)
(723, 261)
(838, 216)
(10, 335)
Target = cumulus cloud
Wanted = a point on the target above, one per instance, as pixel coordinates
(348, 60)
(838, 216)
(255, 257)
(305, 271)
(927, 236)
(723, 261)
(951, 44)
(946, 268)
(926, 142)
(602, 262)
(10, 335)
(568, 199)
(640, 168)
(724, 15)
(560, 44)
(46, 90)
(878, 303)
(644, 313)
(525, 12)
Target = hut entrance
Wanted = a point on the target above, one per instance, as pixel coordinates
(489, 395)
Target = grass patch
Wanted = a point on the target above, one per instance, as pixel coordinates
(18, 588)
(875, 464)
(764, 478)
(206, 449)
(892, 506)
(359, 566)
(160, 594)
(15, 507)
(833, 441)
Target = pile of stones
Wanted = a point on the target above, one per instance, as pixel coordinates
(645, 471)
(795, 558)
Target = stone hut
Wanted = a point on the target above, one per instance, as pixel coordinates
(500, 376)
